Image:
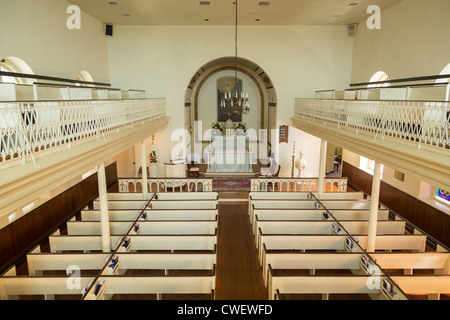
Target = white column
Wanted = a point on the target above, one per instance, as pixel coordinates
(144, 169)
(104, 216)
(373, 213)
(320, 186)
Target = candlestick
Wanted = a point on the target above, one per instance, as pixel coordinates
(293, 163)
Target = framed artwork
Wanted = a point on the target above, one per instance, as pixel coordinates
(226, 85)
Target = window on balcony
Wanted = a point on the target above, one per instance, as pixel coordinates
(14, 64)
(368, 166)
(377, 77)
(84, 76)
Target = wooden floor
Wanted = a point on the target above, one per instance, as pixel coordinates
(239, 275)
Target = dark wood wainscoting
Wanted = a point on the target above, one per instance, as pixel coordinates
(17, 238)
(425, 217)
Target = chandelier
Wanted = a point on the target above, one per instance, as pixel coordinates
(235, 101)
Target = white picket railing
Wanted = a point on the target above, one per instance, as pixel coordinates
(297, 184)
(423, 122)
(32, 126)
(165, 185)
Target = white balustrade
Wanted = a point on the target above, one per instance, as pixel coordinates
(423, 122)
(32, 126)
(165, 185)
(297, 185)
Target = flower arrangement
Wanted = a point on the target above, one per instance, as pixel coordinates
(217, 126)
(241, 126)
(152, 157)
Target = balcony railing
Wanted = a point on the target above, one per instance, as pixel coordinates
(165, 185)
(422, 122)
(32, 126)
(297, 184)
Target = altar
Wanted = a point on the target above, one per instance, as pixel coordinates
(229, 154)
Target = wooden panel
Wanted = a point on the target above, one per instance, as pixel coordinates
(22, 235)
(432, 221)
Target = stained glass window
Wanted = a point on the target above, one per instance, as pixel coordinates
(443, 194)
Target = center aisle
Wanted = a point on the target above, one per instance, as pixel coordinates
(238, 275)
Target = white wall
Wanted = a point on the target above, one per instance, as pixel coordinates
(308, 144)
(163, 59)
(413, 41)
(36, 32)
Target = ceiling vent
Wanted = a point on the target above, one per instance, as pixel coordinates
(205, 3)
(264, 3)
(352, 29)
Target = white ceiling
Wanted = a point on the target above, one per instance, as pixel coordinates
(222, 12)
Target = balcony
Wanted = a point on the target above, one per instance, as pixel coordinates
(45, 143)
(411, 136)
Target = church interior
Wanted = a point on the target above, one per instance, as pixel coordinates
(224, 150)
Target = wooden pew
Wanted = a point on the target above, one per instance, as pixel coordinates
(323, 227)
(50, 286)
(127, 196)
(156, 285)
(38, 262)
(60, 243)
(324, 285)
(270, 243)
(307, 204)
(437, 261)
(317, 214)
(163, 204)
(432, 285)
(409, 243)
(352, 261)
(311, 262)
(154, 214)
(145, 227)
(187, 196)
(47, 286)
(63, 243)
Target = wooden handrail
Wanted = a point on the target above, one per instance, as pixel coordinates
(442, 76)
(62, 85)
(423, 85)
(41, 77)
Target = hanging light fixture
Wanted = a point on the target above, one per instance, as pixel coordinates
(235, 101)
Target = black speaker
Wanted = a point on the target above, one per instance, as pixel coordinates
(109, 29)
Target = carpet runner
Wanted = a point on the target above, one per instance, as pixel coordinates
(231, 184)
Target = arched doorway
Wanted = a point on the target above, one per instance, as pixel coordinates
(201, 99)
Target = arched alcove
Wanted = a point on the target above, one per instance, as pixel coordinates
(202, 87)
(84, 76)
(14, 64)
